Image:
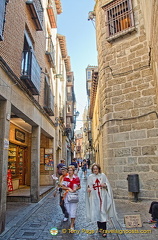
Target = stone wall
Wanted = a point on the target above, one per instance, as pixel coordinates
(128, 106)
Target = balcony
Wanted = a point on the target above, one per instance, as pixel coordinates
(30, 72)
(49, 103)
(67, 131)
(70, 98)
(52, 13)
(70, 110)
(61, 115)
(50, 52)
(70, 79)
(37, 13)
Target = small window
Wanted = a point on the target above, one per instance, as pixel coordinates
(119, 17)
(69, 108)
(69, 90)
(89, 75)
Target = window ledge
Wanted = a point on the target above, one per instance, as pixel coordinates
(120, 34)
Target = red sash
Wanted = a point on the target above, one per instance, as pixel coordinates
(73, 181)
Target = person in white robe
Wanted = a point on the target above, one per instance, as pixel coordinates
(100, 205)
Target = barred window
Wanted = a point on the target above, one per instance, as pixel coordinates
(119, 17)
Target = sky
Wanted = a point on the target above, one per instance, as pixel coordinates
(81, 45)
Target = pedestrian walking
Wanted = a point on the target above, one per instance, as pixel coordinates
(100, 205)
(74, 163)
(59, 166)
(153, 210)
(61, 192)
(84, 167)
(71, 184)
(88, 163)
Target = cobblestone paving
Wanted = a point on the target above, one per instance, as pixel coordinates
(45, 215)
(30, 221)
(126, 207)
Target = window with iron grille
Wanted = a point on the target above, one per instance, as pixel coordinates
(119, 17)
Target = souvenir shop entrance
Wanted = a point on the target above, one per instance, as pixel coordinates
(17, 162)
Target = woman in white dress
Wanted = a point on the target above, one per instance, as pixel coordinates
(99, 202)
(71, 183)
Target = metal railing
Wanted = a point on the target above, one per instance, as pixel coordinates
(50, 50)
(31, 71)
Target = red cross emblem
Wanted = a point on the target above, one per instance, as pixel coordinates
(97, 186)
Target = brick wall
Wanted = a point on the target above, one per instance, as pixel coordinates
(18, 18)
(128, 106)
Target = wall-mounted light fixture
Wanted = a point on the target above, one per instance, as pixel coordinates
(77, 114)
(57, 121)
(91, 16)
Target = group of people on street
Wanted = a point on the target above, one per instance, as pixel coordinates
(100, 206)
(99, 199)
(69, 184)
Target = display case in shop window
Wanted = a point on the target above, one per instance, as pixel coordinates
(20, 166)
(12, 156)
(16, 162)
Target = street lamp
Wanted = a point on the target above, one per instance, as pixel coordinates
(77, 114)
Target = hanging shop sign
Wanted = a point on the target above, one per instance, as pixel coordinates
(19, 135)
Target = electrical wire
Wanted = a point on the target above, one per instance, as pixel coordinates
(130, 71)
(132, 118)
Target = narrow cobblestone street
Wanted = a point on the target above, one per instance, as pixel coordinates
(36, 220)
(30, 221)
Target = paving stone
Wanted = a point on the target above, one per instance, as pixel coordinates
(35, 221)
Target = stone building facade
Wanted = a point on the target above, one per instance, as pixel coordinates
(128, 105)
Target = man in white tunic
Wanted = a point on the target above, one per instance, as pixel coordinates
(99, 202)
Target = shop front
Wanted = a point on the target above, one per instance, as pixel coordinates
(46, 161)
(18, 156)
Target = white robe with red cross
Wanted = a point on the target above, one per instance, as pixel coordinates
(99, 202)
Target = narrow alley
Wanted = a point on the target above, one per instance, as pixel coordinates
(34, 221)
(78, 86)
(30, 221)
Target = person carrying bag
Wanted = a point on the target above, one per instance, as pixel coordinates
(71, 184)
(72, 197)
